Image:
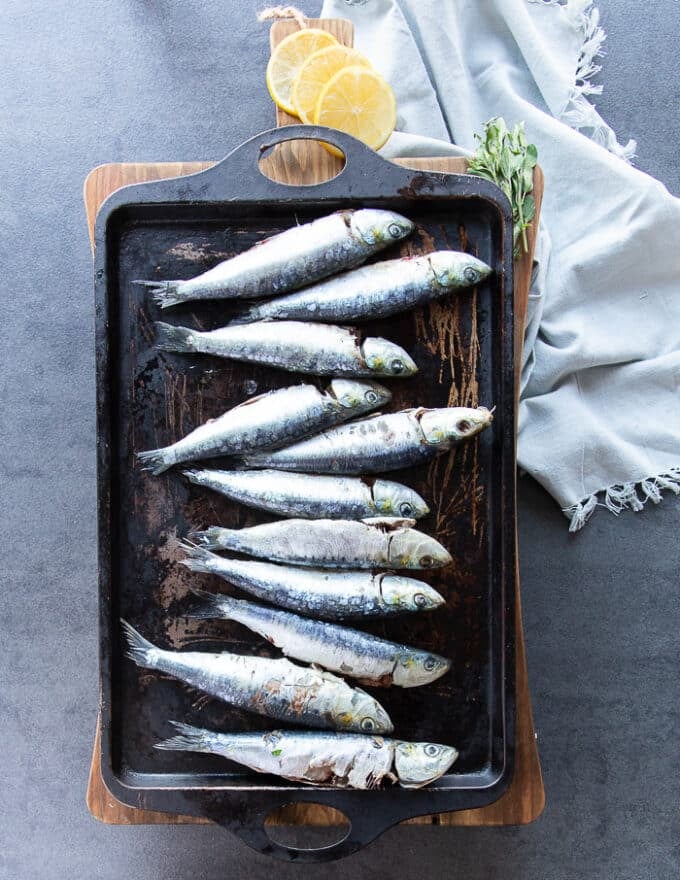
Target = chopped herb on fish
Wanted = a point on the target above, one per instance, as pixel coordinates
(293, 258)
(270, 420)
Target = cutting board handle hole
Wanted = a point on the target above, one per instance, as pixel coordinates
(306, 826)
(300, 162)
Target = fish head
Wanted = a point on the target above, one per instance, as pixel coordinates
(418, 764)
(408, 594)
(453, 425)
(457, 269)
(416, 668)
(412, 549)
(387, 358)
(379, 227)
(366, 715)
(394, 499)
(360, 397)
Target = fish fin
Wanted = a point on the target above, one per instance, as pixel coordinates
(138, 647)
(189, 739)
(211, 605)
(207, 539)
(164, 293)
(172, 338)
(154, 459)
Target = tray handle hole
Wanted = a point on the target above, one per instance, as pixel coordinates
(300, 162)
(306, 826)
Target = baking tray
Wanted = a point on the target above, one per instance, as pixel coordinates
(463, 345)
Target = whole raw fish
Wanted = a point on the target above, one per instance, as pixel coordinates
(296, 346)
(313, 496)
(371, 660)
(276, 688)
(340, 760)
(318, 592)
(379, 443)
(375, 291)
(332, 543)
(292, 258)
(271, 420)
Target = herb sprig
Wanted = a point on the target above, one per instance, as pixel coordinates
(506, 159)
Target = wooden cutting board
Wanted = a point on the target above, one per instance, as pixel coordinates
(305, 162)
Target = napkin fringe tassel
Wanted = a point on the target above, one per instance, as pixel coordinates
(624, 496)
(578, 112)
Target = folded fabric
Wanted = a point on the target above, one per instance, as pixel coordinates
(599, 420)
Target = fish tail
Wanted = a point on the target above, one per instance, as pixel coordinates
(171, 338)
(189, 739)
(198, 558)
(209, 539)
(210, 605)
(139, 648)
(155, 460)
(163, 293)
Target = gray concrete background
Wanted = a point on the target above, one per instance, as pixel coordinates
(83, 83)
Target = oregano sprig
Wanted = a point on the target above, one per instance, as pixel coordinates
(506, 159)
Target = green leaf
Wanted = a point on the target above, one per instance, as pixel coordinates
(277, 752)
(529, 209)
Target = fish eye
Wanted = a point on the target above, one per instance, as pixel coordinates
(371, 397)
(420, 600)
(463, 426)
(426, 561)
(367, 724)
(431, 750)
(397, 366)
(429, 663)
(394, 230)
(470, 274)
(406, 508)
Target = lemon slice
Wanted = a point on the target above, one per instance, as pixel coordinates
(287, 59)
(315, 73)
(359, 101)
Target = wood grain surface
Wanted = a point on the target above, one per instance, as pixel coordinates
(307, 162)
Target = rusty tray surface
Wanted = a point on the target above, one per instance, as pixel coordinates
(463, 345)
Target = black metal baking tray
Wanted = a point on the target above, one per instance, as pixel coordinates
(464, 347)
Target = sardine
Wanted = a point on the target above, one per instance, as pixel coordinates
(375, 291)
(379, 443)
(339, 760)
(371, 660)
(296, 346)
(318, 592)
(313, 496)
(332, 543)
(300, 255)
(271, 420)
(276, 688)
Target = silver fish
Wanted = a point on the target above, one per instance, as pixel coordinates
(276, 688)
(371, 660)
(296, 346)
(379, 443)
(339, 760)
(313, 496)
(271, 420)
(375, 291)
(332, 543)
(318, 592)
(292, 258)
